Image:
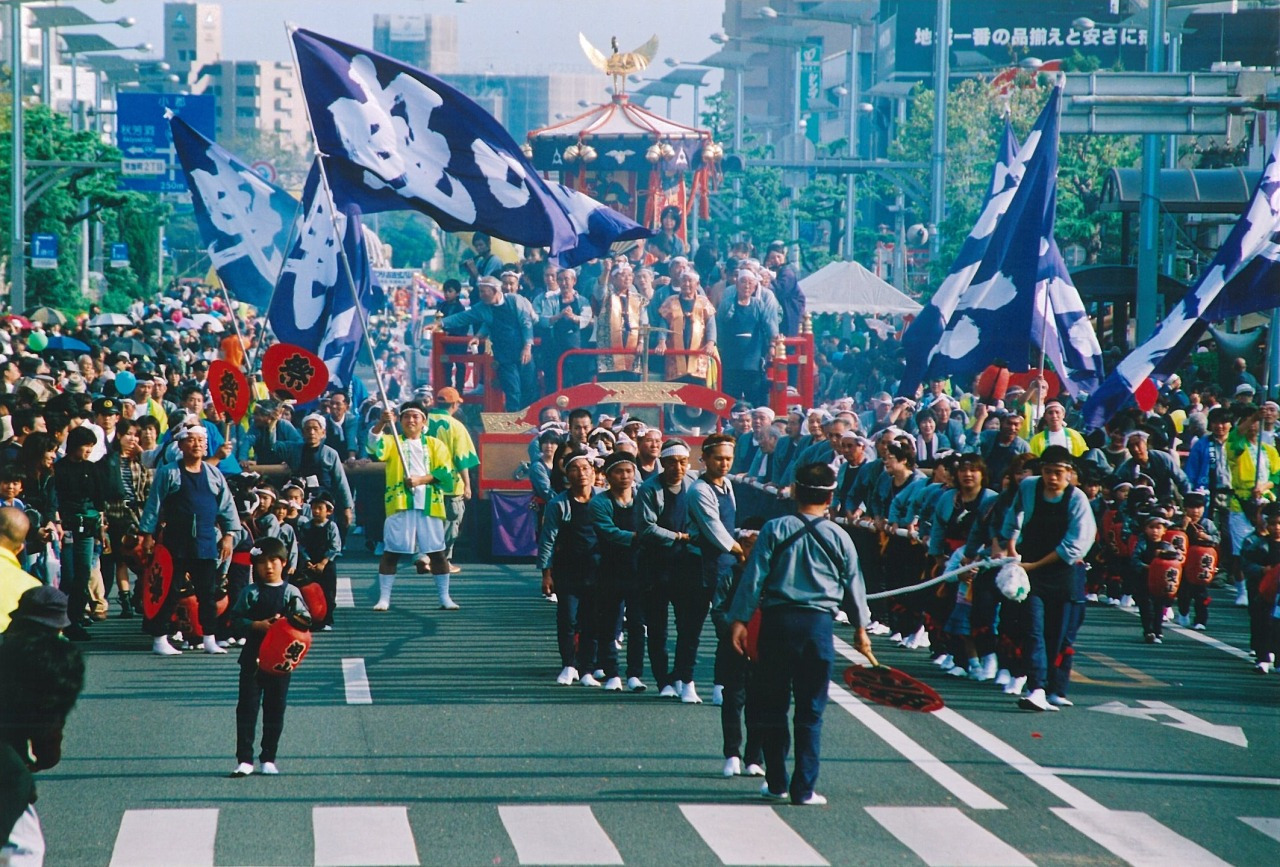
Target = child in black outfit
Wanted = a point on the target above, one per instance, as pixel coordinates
(319, 546)
(263, 603)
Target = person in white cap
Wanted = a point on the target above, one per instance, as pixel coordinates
(416, 467)
(1056, 433)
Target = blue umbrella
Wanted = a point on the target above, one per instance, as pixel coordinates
(67, 344)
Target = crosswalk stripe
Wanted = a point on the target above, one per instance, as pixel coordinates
(344, 598)
(970, 794)
(162, 838)
(553, 834)
(359, 836)
(1270, 827)
(1137, 838)
(355, 680)
(749, 835)
(946, 837)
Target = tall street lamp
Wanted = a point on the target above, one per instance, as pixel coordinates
(48, 20)
(78, 44)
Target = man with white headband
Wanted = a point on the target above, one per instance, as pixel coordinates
(416, 467)
(802, 571)
(1143, 460)
(190, 508)
(313, 459)
(1056, 433)
(667, 553)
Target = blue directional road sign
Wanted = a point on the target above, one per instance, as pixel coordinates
(149, 163)
(44, 251)
(119, 255)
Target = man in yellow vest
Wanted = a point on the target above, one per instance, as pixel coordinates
(1056, 433)
(14, 581)
(417, 467)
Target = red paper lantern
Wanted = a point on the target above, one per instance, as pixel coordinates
(1163, 577)
(155, 581)
(228, 389)
(283, 648)
(292, 372)
(993, 382)
(313, 595)
(1202, 565)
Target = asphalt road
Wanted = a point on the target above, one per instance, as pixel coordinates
(463, 750)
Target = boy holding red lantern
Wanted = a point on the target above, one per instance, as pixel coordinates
(264, 604)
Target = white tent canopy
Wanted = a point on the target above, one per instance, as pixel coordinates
(847, 287)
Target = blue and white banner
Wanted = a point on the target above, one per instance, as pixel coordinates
(1228, 287)
(926, 329)
(1001, 314)
(397, 137)
(244, 220)
(314, 305)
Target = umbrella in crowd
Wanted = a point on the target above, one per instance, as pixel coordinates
(18, 321)
(107, 319)
(133, 346)
(203, 319)
(63, 343)
(47, 316)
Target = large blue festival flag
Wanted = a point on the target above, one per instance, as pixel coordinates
(926, 329)
(244, 220)
(314, 306)
(398, 137)
(993, 317)
(1228, 287)
(1061, 325)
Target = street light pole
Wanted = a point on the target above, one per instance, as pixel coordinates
(1149, 206)
(17, 246)
(941, 84)
(855, 98)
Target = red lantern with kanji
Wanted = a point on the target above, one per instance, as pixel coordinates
(155, 582)
(283, 648)
(292, 372)
(228, 389)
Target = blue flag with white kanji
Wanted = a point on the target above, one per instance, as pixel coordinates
(397, 137)
(244, 219)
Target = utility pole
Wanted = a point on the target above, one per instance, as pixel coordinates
(17, 245)
(1149, 206)
(941, 84)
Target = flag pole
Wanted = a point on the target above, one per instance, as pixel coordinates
(346, 262)
(1041, 384)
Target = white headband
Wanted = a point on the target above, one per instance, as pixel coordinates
(579, 457)
(316, 417)
(675, 450)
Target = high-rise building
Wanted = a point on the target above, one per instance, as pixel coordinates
(428, 42)
(192, 38)
(522, 103)
(253, 96)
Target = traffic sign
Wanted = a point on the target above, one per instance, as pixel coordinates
(119, 255)
(150, 163)
(44, 251)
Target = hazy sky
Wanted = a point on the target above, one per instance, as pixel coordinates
(511, 36)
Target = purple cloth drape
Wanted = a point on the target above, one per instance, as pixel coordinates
(515, 525)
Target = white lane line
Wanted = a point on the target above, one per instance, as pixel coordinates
(344, 598)
(1201, 637)
(750, 835)
(356, 681)
(1138, 838)
(553, 834)
(162, 838)
(1270, 827)
(945, 837)
(362, 836)
(968, 793)
(1171, 777)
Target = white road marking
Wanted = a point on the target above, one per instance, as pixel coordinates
(1203, 638)
(1165, 775)
(1270, 827)
(1178, 719)
(162, 838)
(750, 835)
(360, 836)
(971, 795)
(553, 834)
(1137, 838)
(946, 837)
(356, 681)
(344, 598)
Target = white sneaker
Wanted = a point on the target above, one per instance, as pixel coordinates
(877, 628)
(1035, 701)
(919, 641)
(1114, 602)
(945, 661)
(613, 684)
(910, 641)
(1242, 595)
(552, 598)
(989, 667)
(689, 695)
(269, 768)
(1016, 685)
(382, 605)
(567, 676)
(841, 617)
(328, 627)
(1091, 597)
(957, 671)
(1199, 627)
(243, 769)
(449, 605)
(635, 684)
(1061, 701)
(668, 691)
(1126, 601)
(717, 695)
(1262, 668)
(598, 674)
(210, 645)
(896, 638)
(1104, 599)
(732, 767)
(224, 642)
(975, 669)
(753, 771)
(679, 687)
(161, 647)
(772, 796)
(814, 800)
(588, 680)
(1003, 677)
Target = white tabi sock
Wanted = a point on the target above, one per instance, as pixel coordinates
(385, 583)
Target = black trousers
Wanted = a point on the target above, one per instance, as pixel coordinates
(270, 691)
(204, 577)
(733, 673)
